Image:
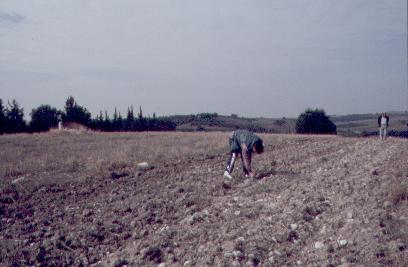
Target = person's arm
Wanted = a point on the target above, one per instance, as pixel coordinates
(246, 160)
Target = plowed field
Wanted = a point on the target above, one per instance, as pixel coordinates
(80, 199)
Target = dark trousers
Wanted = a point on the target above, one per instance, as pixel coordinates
(231, 162)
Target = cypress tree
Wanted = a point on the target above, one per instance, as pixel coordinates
(130, 119)
(120, 122)
(107, 122)
(15, 118)
(2, 118)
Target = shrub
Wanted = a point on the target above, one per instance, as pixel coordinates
(315, 122)
(43, 118)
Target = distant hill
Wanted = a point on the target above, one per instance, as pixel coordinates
(347, 125)
(366, 124)
(215, 122)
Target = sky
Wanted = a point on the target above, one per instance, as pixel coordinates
(262, 58)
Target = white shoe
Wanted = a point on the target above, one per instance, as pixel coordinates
(227, 174)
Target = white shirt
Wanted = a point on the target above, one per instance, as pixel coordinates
(383, 121)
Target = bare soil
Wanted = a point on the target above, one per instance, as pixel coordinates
(317, 201)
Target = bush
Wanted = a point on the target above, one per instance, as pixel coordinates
(315, 122)
(43, 118)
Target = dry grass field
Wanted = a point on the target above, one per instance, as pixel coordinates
(80, 199)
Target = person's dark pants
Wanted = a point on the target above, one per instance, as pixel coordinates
(235, 149)
(231, 162)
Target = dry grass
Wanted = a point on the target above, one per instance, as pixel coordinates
(66, 156)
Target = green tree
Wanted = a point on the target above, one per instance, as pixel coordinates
(130, 120)
(120, 123)
(2, 117)
(315, 122)
(141, 122)
(43, 118)
(100, 121)
(15, 122)
(75, 113)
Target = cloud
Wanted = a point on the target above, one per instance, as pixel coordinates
(10, 18)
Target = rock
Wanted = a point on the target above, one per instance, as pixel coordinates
(387, 204)
(187, 264)
(144, 232)
(349, 215)
(271, 259)
(87, 213)
(240, 240)
(280, 238)
(120, 263)
(238, 255)
(226, 185)
(144, 166)
(330, 249)
(401, 246)
(116, 175)
(342, 243)
(196, 218)
(374, 172)
(41, 254)
(319, 245)
(299, 263)
(292, 236)
(228, 255)
(133, 223)
(294, 226)
(277, 252)
(18, 180)
(170, 257)
(162, 265)
(153, 254)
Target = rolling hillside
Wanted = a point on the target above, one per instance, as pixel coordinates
(347, 125)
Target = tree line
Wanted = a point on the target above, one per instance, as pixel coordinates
(45, 117)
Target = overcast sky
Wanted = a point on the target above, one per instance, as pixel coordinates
(268, 58)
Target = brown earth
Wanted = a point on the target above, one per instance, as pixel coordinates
(80, 200)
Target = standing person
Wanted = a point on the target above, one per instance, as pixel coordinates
(383, 121)
(244, 143)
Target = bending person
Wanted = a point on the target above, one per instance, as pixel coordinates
(243, 143)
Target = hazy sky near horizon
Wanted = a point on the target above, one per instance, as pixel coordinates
(269, 58)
